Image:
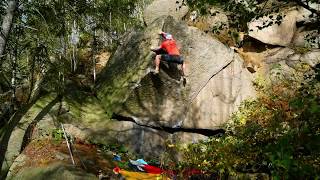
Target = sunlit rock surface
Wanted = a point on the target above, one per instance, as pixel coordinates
(158, 8)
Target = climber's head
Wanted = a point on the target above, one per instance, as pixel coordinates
(166, 36)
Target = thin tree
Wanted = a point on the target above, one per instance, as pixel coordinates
(6, 25)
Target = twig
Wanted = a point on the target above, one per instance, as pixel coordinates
(69, 148)
(77, 154)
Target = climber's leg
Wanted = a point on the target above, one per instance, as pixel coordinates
(157, 63)
(183, 65)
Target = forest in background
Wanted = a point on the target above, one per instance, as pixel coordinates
(46, 43)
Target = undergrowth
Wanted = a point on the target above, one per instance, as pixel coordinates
(277, 134)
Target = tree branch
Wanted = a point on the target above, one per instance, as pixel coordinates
(6, 24)
(300, 3)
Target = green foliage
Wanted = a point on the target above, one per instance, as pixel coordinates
(240, 12)
(202, 5)
(40, 39)
(278, 133)
(113, 147)
(57, 135)
(118, 149)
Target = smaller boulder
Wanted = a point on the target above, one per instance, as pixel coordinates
(176, 9)
(275, 29)
(308, 39)
(216, 19)
(312, 57)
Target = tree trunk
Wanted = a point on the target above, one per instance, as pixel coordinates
(94, 56)
(14, 74)
(6, 25)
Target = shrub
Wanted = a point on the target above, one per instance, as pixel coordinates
(278, 133)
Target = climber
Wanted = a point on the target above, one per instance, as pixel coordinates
(169, 52)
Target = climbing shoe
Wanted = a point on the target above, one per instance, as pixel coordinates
(155, 71)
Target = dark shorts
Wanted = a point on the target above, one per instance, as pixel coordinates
(172, 58)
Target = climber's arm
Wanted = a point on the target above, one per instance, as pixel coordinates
(157, 49)
(160, 50)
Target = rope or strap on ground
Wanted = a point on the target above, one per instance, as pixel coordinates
(69, 147)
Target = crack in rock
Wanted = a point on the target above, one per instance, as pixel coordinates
(171, 130)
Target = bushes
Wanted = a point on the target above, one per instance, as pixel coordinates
(278, 133)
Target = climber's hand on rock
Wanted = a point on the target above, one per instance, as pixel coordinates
(160, 32)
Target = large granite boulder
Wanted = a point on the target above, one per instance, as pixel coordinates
(158, 8)
(129, 90)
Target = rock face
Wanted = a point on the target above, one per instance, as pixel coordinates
(312, 57)
(275, 34)
(220, 97)
(283, 61)
(289, 60)
(291, 57)
(309, 39)
(158, 8)
(140, 140)
(163, 100)
(287, 32)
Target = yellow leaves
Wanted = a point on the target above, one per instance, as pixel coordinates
(231, 140)
(242, 120)
(203, 148)
(264, 127)
(260, 82)
(205, 162)
(171, 145)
